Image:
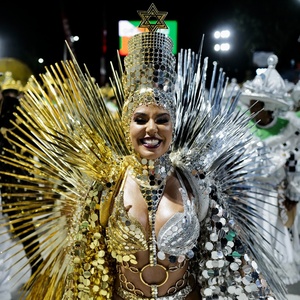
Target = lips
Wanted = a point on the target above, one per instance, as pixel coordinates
(151, 142)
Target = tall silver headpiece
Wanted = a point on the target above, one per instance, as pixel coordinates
(150, 75)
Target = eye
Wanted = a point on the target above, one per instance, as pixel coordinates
(163, 120)
(140, 120)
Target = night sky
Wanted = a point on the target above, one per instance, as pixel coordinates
(28, 32)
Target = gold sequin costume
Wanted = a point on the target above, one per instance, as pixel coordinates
(82, 155)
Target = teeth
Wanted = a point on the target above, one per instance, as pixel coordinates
(153, 142)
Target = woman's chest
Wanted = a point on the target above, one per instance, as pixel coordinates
(148, 205)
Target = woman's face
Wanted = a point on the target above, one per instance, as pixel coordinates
(151, 131)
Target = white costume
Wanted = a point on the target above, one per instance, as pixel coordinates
(11, 259)
(281, 139)
(5, 262)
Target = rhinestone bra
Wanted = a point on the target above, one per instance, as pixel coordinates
(176, 238)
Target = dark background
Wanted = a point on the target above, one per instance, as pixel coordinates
(29, 31)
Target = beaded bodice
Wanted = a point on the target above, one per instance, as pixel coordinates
(176, 238)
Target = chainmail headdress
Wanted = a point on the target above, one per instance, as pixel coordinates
(150, 75)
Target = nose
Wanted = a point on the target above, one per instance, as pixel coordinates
(151, 127)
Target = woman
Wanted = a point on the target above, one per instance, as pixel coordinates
(153, 217)
(151, 205)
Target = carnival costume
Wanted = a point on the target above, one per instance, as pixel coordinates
(281, 141)
(11, 89)
(84, 155)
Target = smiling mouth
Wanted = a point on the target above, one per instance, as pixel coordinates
(151, 143)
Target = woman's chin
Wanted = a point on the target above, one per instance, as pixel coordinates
(151, 154)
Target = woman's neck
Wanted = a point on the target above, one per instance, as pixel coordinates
(150, 173)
